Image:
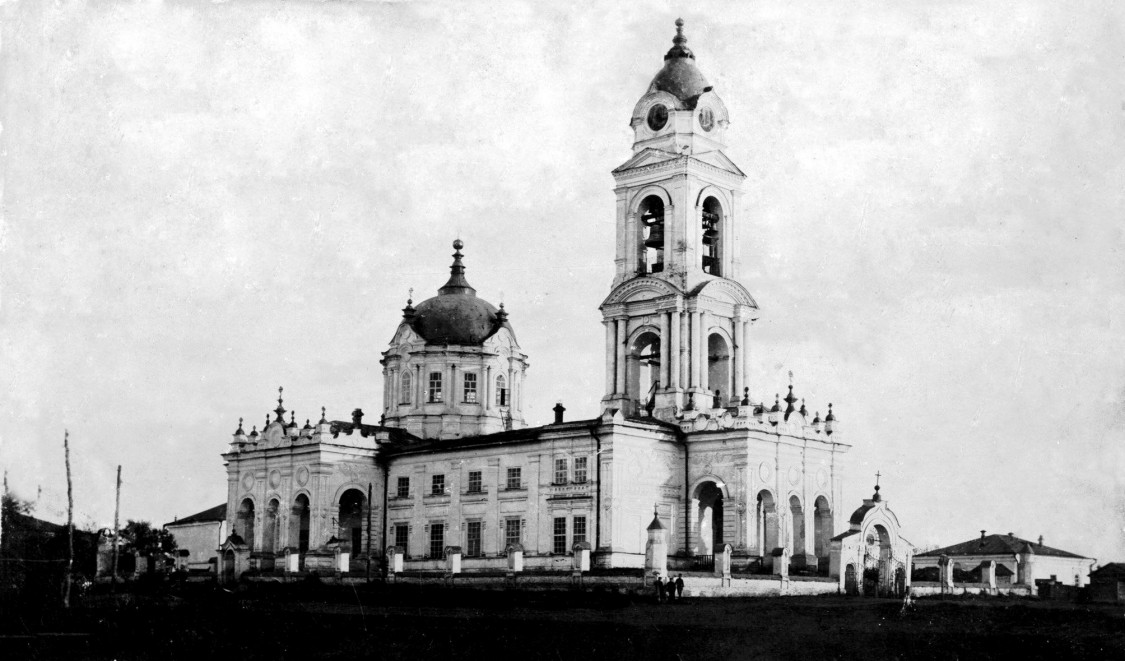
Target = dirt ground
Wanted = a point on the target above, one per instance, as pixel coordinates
(282, 622)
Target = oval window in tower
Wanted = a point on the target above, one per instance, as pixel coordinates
(657, 117)
(706, 119)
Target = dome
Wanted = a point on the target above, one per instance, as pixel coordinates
(456, 315)
(680, 77)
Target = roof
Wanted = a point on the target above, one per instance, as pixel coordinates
(456, 316)
(679, 76)
(527, 434)
(997, 545)
(216, 513)
(1110, 569)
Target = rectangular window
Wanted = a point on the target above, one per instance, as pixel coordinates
(559, 547)
(435, 386)
(470, 388)
(514, 478)
(472, 546)
(560, 471)
(579, 533)
(437, 540)
(580, 469)
(402, 537)
(511, 532)
(474, 482)
(437, 487)
(403, 490)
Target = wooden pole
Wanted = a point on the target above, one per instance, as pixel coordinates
(69, 521)
(116, 527)
(368, 532)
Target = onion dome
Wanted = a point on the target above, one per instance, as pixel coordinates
(745, 397)
(680, 77)
(803, 411)
(790, 400)
(239, 432)
(456, 315)
(307, 426)
(323, 417)
(254, 432)
(776, 404)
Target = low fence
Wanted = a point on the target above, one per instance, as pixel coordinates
(930, 588)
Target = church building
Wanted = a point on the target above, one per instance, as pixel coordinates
(454, 467)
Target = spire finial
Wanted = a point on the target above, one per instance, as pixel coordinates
(457, 283)
(679, 49)
(323, 416)
(877, 497)
(280, 410)
(410, 296)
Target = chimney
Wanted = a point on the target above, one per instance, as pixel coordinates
(357, 417)
(981, 539)
(559, 409)
(1040, 540)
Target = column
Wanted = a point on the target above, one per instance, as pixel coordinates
(696, 351)
(665, 352)
(685, 353)
(610, 358)
(674, 350)
(745, 352)
(739, 349)
(621, 323)
(418, 388)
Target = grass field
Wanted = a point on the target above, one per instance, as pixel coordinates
(291, 622)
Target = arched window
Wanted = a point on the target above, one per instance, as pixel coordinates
(501, 391)
(406, 388)
(651, 246)
(712, 236)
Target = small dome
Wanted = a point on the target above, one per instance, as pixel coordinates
(680, 77)
(456, 315)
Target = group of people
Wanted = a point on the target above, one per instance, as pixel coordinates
(670, 590)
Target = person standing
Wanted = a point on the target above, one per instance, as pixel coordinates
(659, 590)
(678, 587)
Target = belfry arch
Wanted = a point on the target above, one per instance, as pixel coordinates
(719, 367)
(650, 234)
(712, 228)
(643, 368)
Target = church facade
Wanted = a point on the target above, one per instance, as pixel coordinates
(453, 467)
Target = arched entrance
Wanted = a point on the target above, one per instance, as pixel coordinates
(299, 527)
(244, 522)
(351, 520)
(876, 561)
(766, 520)
(718, 368)
(797, 513)
(270, 530)
(822, 532)
(228, 566)
(709, 518)
(851, 587)
(643, 365)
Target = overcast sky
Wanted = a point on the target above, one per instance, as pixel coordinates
(202, 202)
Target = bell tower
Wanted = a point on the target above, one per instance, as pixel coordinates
(677, 320)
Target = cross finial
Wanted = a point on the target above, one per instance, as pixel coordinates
(279, 391)
(790, 377)
(410, 296)
(655, 509)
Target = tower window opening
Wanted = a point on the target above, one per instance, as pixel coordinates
(651, 213)
(643, 370)
(712, 218)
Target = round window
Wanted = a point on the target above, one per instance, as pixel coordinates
(707, 119)
(657, 117)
